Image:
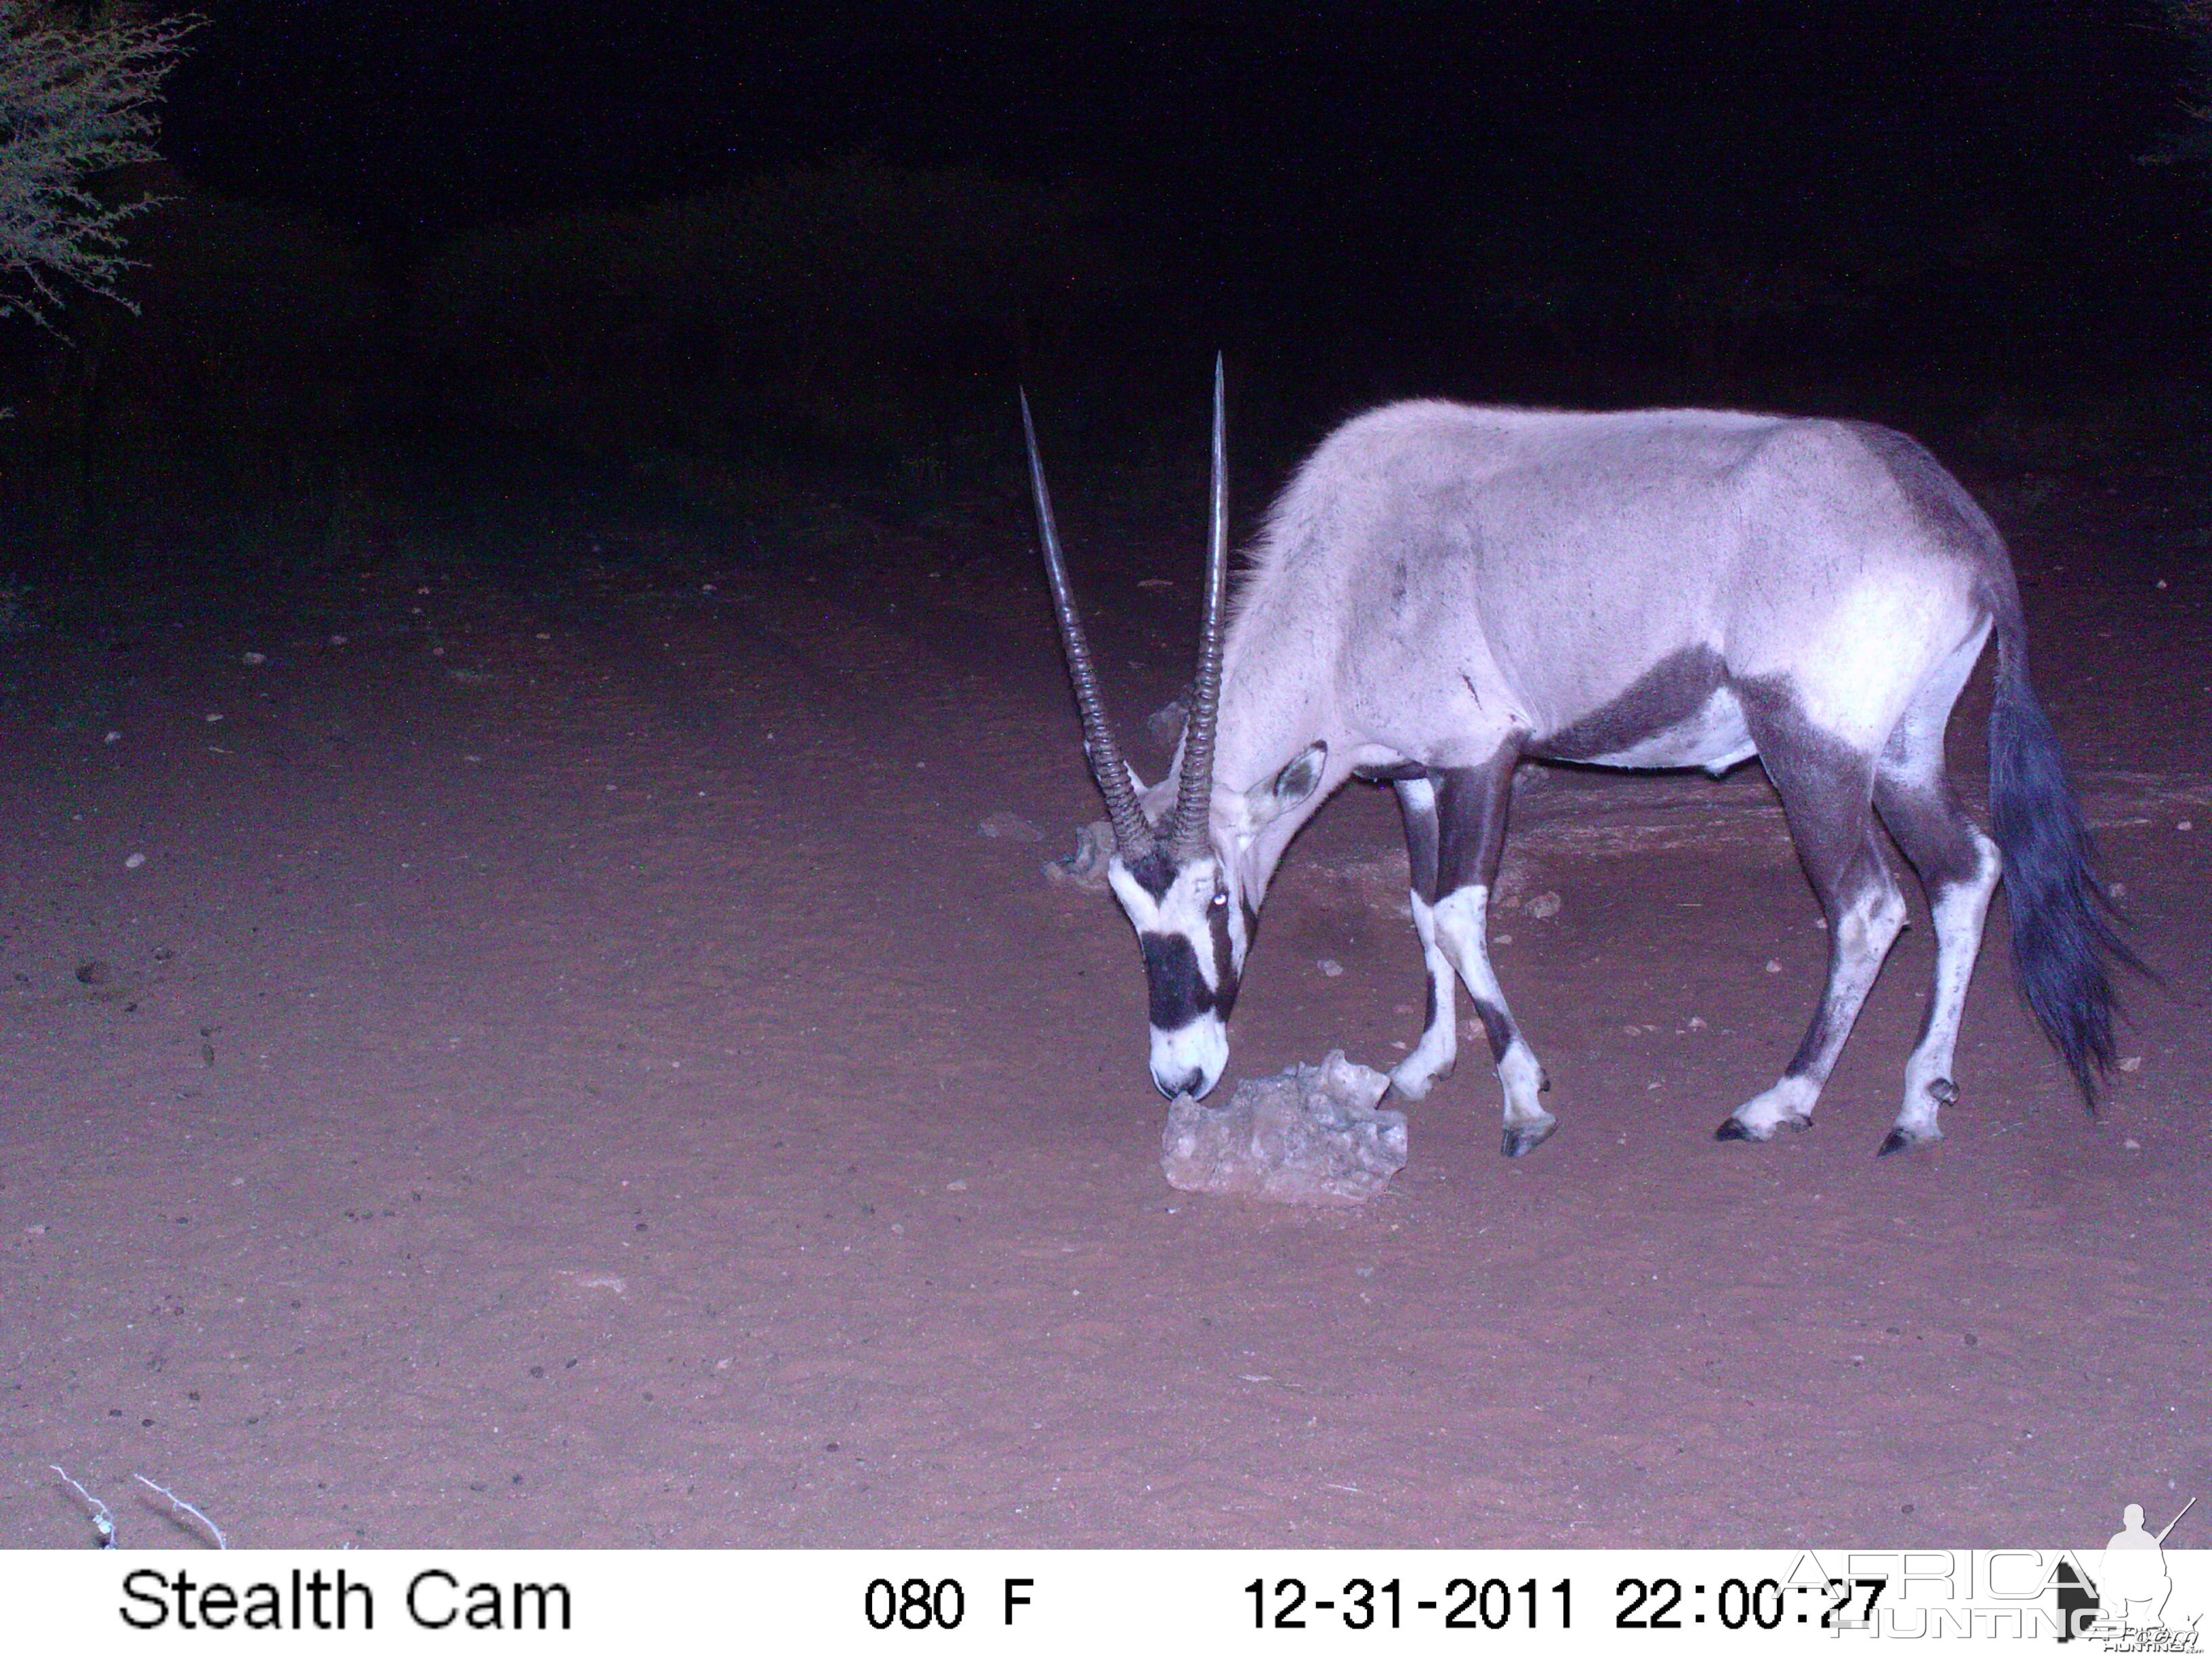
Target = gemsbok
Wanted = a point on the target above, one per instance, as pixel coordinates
(1443, 590)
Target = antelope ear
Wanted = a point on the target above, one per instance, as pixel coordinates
(1267, 801)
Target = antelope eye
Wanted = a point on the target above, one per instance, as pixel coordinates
(1220, 901)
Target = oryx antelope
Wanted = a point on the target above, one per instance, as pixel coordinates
(1443, 590)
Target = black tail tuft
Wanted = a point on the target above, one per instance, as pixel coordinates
(2063, 932)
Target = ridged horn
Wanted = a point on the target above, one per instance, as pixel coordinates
(1132, 834)
(1194, 792)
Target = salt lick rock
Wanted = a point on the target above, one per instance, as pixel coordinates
(1311, 1134)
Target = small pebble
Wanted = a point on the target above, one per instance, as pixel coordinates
(1330, 968)
(2132, 1144)
(212, 718)
(1773, 966)
(1502, 938)
(1696, 1023)
(2132, 1063)
(134, 861)
(254, 659)
(956, 1185)
(114, 737)
(1544, 906)
(2185, 824)
(337, 638)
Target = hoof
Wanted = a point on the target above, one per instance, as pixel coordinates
(1731, 1129)
(1412, 1088)
(1523, 1138)
(1902, 1139)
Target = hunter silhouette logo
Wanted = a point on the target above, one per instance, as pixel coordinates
(2124, 1607)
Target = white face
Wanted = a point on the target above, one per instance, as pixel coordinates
(1194, 934)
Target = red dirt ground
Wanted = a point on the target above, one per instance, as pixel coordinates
(568, 1070)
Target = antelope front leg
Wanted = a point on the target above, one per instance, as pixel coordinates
(1455, 836)
(1461, 921)
(1432, 1056)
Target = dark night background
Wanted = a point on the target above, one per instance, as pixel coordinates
(716, 251)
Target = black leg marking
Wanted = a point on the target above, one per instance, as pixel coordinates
(1417, 803)
(1471, 808)
(1827, 788)
(1472, 803)
(1932, 829)
(1497, 1026)
(1958, 868)
(1455, 836)
(1938, 838)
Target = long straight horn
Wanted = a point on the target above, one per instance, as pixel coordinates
(1194, 793)
(1131, 833)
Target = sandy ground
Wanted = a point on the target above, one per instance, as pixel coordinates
(569, 1069)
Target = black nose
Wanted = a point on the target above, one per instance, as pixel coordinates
(1190, 1085)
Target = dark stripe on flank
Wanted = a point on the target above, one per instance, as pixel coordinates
(1668, 694)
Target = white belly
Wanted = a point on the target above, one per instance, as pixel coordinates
(1714, 738)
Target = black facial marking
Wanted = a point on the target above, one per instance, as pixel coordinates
(1224, 957)
(1669, 695)
(1155, 872)
(1177, 992)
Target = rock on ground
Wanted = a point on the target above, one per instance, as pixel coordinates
(1085, 867)
(1311, 1134)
